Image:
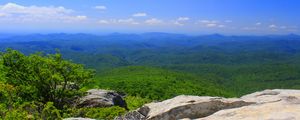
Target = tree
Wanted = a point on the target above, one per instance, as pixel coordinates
(46, 78)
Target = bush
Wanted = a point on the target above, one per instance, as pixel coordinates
(50, 112)
(44, 78)
(96, 113)
(134, 102)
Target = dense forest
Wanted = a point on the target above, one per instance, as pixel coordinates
(147, 67)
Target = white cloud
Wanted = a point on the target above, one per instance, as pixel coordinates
(12, 8)
(100, 7)
(81, 17)
(273, 26)
(183, 18)
(180, 21)
(153, 21)
(139, 15)
(128, 21)
(208, 21)
(211, 23)
(258, 23)
(103, 22)
(12, 12)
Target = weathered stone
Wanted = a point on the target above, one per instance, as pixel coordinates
(269, 104)
(102, 98)
(133, 115)
(139, 114)
(190, 107)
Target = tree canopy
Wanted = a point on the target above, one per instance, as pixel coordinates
(45, 78)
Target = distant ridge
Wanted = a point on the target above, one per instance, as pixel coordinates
(133, 36)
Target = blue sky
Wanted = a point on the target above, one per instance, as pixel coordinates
(233, 17)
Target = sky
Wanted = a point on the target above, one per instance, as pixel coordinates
(230, 17)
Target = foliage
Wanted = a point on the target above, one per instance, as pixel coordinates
(96, 113)
(134, 102)
(44, 78)
(32, 110)
(7, 95)
(50, 112)
(197, 65)
(156, 84)
(37, 86)
(247, 78)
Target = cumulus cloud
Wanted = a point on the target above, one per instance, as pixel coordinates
(139, 14)
(180, 21)
(13, 8)
(103, 21)
(12, 12)
(100, 7)
(211, 23)
(81, 17)
(128, 21)
(153, 21)
(272, 26)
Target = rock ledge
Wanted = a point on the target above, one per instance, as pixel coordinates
(277, 104)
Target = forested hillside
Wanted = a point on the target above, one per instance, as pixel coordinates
(146, 67)
(254, 62)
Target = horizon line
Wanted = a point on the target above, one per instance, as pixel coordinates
(140, 33)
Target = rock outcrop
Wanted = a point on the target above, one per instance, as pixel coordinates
(266, 105)
(102, 98)
(270, 105)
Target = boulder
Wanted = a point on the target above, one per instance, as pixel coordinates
(269, 104)
(185, 107)
(102, 98)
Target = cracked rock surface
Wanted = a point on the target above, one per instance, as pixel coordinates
(270, 105)
(265, 105)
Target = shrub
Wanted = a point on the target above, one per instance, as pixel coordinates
(44, 78)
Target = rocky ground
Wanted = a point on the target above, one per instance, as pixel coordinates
(265, 105)
(275, 104)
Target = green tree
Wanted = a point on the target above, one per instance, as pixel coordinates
(44, 77)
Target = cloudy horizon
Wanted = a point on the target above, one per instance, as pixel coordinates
(176, 16)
